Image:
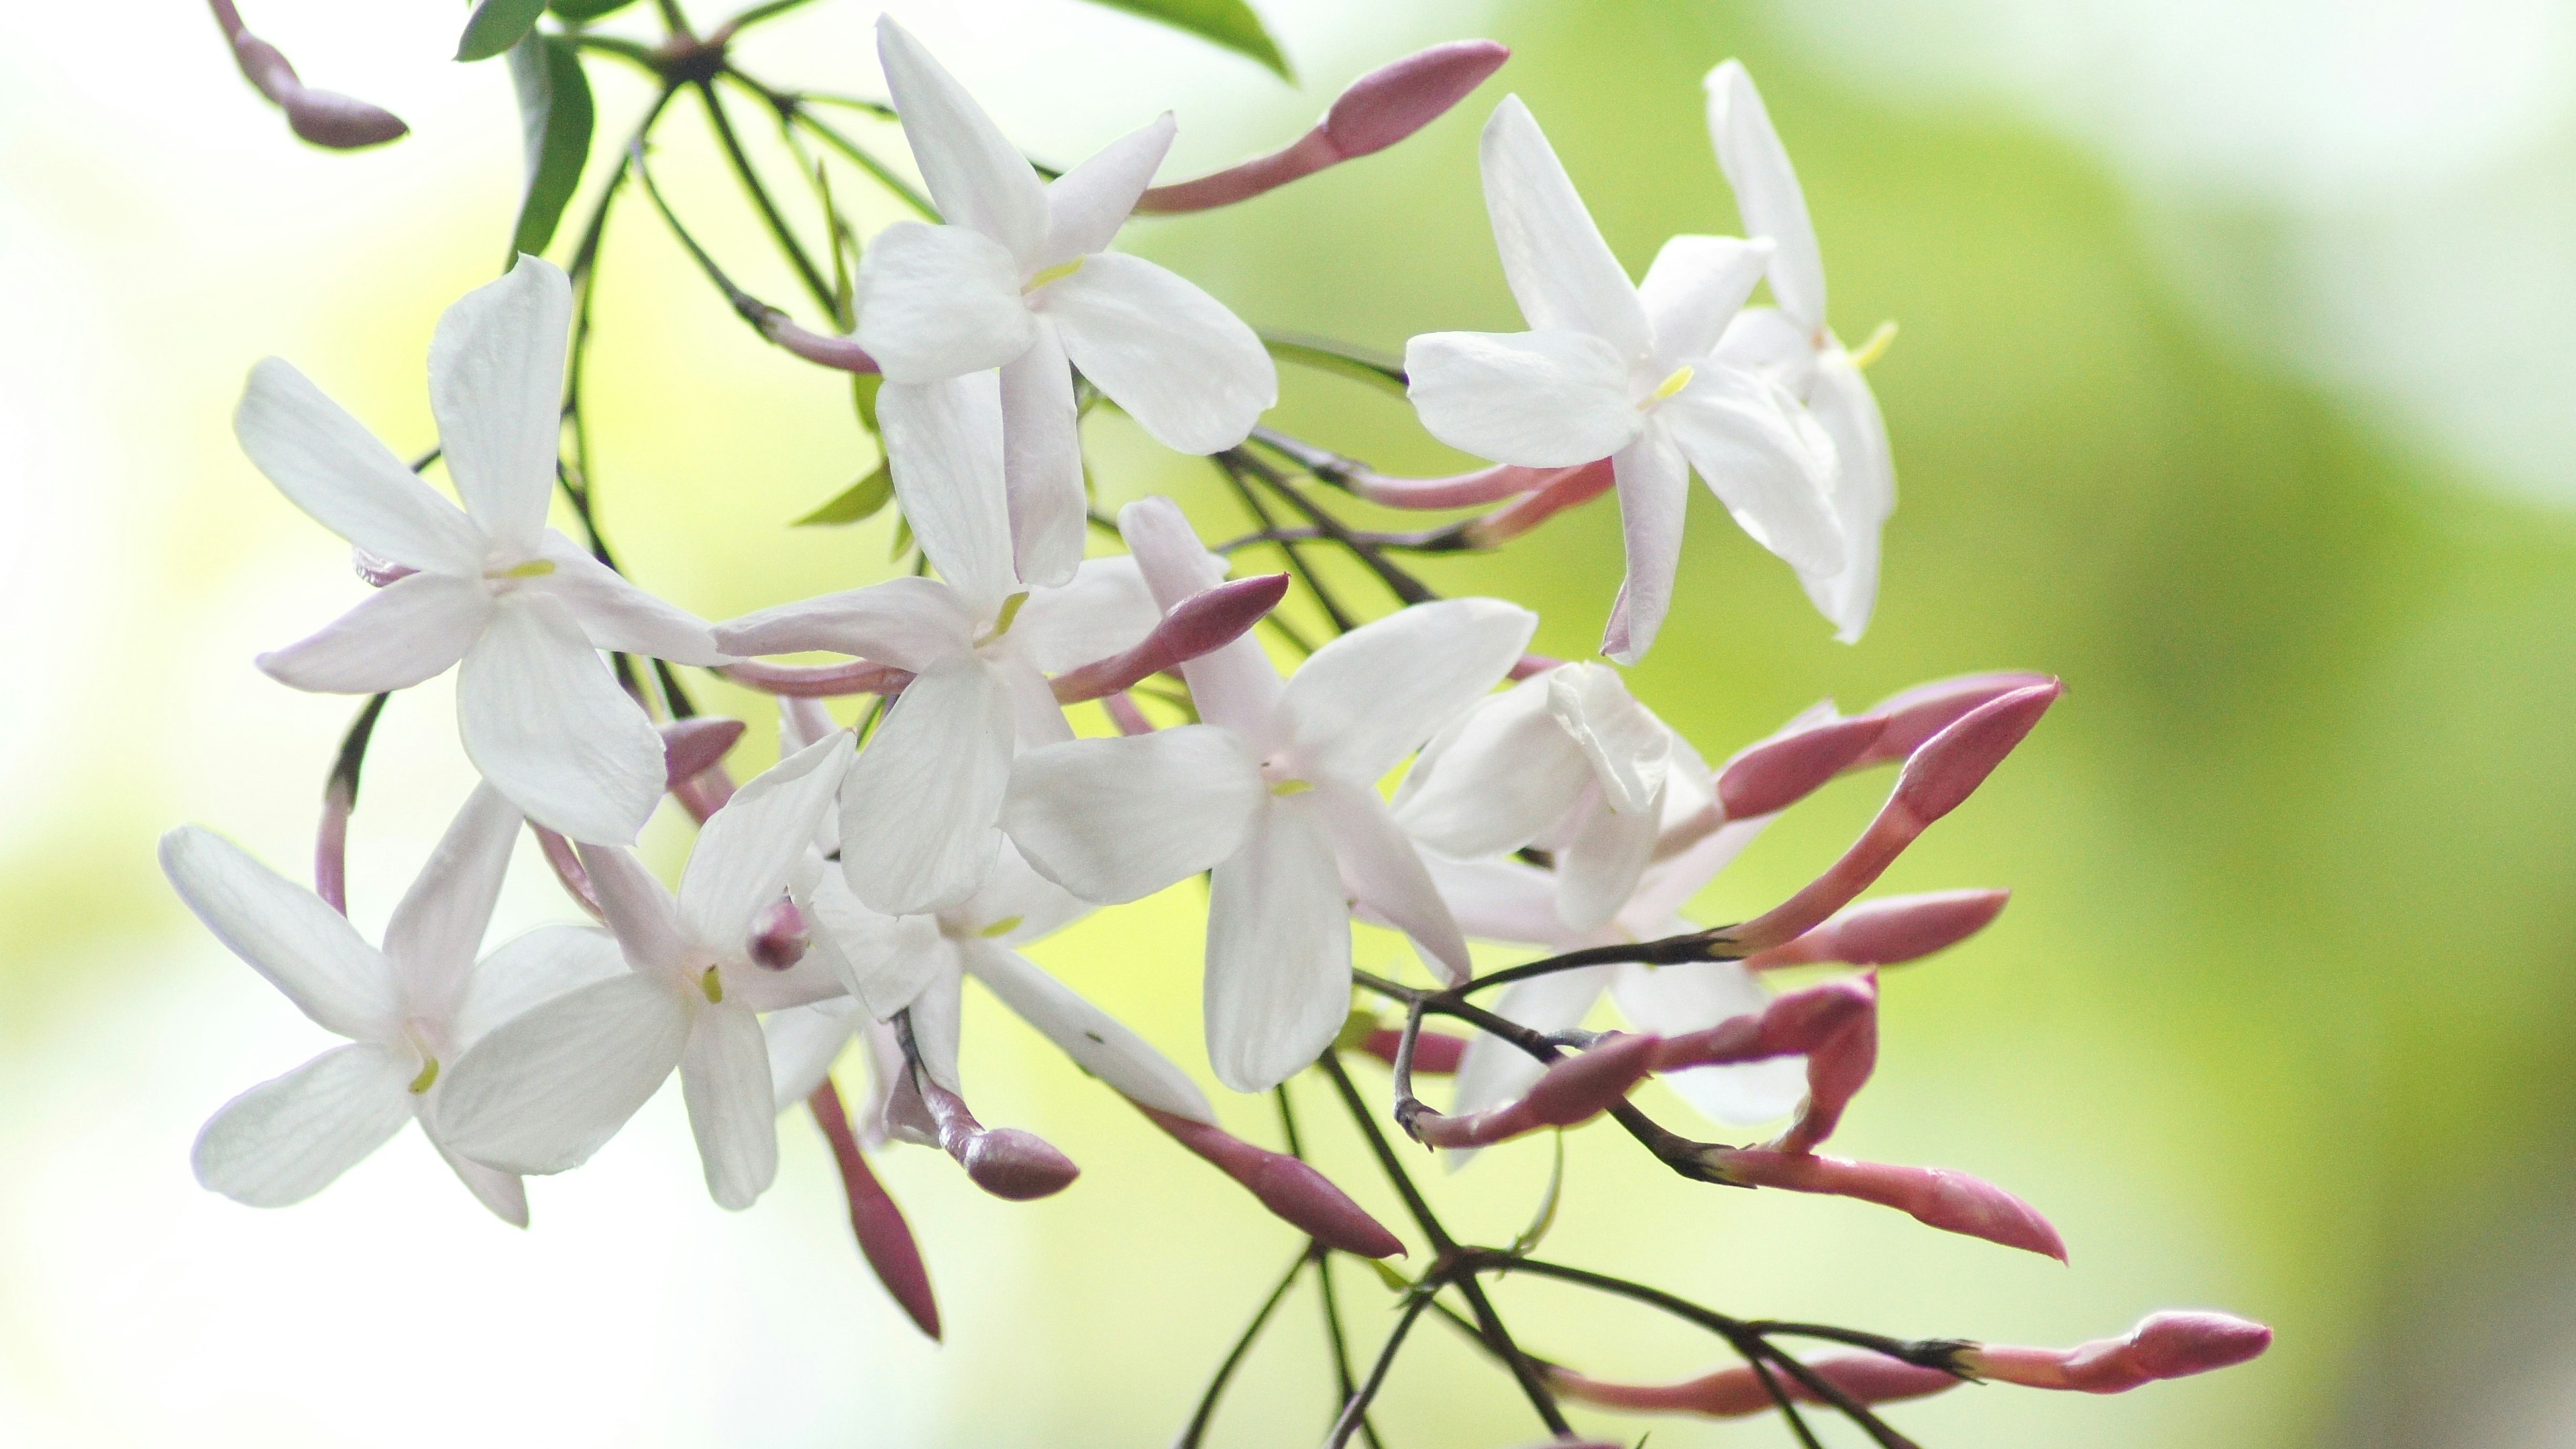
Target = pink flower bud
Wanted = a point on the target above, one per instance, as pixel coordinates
(2164, 1346)
(1563, 489)
(817, 681)
(1951, 1201)
(1837, 1068)
(1124, 714)
(779, 935)
(691, 747)
(324, 118)
(833, 352)
(1004, 1161)
(574, 876)
(1917, 714)
(1574, 1089)
(1891, 931)
(1376, 111)
(1795, 1022)
(1204, 622)
(1777, 773)
(1293, 1191)
(885, 1239)
(1435, 1053)
(1733, 1393)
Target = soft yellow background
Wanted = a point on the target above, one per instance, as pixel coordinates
(2232, 387)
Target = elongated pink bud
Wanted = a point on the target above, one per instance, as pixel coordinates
(885, 1239)
(833, 352)
(1458, 490)
(780, 936)
(2163, 1346)
(691, 747)
(1574, 1089)
(1004, 1161)
(818, 681)
(1373, 113)
(1292, 1190)
(1566, 488)
(1531, 664)
(324, 118)
(574, 876)
(1777, 773)
(1936, 1197)
(1733, 1393)
(1795, 1022)
(1435, 1053)
(1124, 714)
(1917, 714)
(1890, 931)
(1199, 624)
(1837, 1068)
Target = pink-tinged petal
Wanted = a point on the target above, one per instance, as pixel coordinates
(1654, 498)
(1695, 287)
(1766, 191)
(1278, 951)
(884, 961)
(944, 443)
(1502, 900)
(1704, 1008)
(1735, 1393)
(1171, 356)
(693, 746)
(1560, 270)
(1087, 205)
(1550, 398)
(744, 854)
(1102, 609)
(1233, 686)
(919, 810)
(1042, 461)
(408, 631)
(1382, 872)
(1936, 1197)
(1917, 714)
(909, 623)
(1864, 492)
(542, 1092)
(2163, 1346)
(937, 302)
(1098, 1042)
(1117, 820)
(1202, 624)
(307, 950)
(1572, 1090)
(1367, 699)
(329, 465)
(1628, 748)
(1779, 772)
(496, 381)
(1891, 931)
(640, 911)
(618, 616)
(287, 1139)
(546, 723)
(438, 928)
(505, 1193)
(526, 972)
(973, 171)
(1765, 459)
(565, 861)
(1601, 864)
(1494, 1071)
(724, 1078)
(885, 1239)
(1293, 1191)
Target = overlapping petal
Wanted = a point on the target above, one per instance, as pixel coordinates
(1372, 696)
(287, 1139)
(724, 1078)
(1102, 610)
(529, 970)
(1765, 459)
(410, 630)
(939, 301)
(1278, 951)
(746, 850)
(329, 465)
(1695, 288)
(438, 928)
(307, 950)
(542, 1092)
(944, 446)
(1560, 270)
(1654, 499)
(496, 380)
(545, 722)
(1042, 460)
(1864, 492)
(1381, 871)
(1171, 356)
(615, 614)
(1116, 820)
(917, 814)
(1544, 399)
(1497, 777)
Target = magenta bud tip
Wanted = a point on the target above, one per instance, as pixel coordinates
(1917, 714)
(1304, 1197)
(779, 936)
(1952, 764)
(1010, 1163)
(1399, 98)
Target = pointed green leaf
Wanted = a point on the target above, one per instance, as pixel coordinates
(860, 500)
(495, 26)
(1230, 23)
(555, 121)
(1396, 1282)
(863, 391)
(586, 10)
(902, 539)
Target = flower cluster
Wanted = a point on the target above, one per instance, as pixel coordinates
(847, 892)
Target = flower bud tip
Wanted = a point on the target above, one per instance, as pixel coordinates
(1010, 1163)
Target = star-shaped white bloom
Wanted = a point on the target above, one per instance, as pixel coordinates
(1793, 344)
(522, 606)
(1020, 280)
(545, 1091)
(406, 1009)
(1277, 794)
(1625, 372)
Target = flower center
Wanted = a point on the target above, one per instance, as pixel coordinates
(1002, 621)
(1877, 345)
(1002, 927)
(1680, 379)
(1285, 788)
(1056, 273)
(535, 568)
(428, 1077)
(713, 985)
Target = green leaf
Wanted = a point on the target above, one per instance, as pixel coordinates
(902, 539)
(863, 391)
(1230, 23)
(586, 10)
(555, 119)
(1527, 1243)
(495, 26)
(1356, 1030)
(860, 500)
(1396, 1282)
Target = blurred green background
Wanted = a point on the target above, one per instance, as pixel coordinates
(2277, 1022)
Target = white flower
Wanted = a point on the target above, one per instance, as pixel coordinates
(1794, 345)
(543, 1092)
(406, 1009)
(1277, 794)
(1625, 372)
(519, 603)
(1019, 280)
(1567, 759)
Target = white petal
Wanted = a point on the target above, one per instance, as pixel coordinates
(724, 1077)
(1668, 885)
(1372, 696)
(1654, 499)
(745, 850)
(1765, 460)
(546, 723)
(918, 812)
(543, 1091)
(936, 302)
(1695, 288)
(1765, 340)
(529, 970)
(505, 1193)
(437, 930)
(1017, 905)
(403, 633)
(1381, 871)
(1278, 951)
(306, 949)
(1104, 609)
(1503, 900)
(1864, 493)
(1233, 686)
(1600, 866)
(910, 623)
(1692, 997)
(1766, 191)
(1506, 771)
(1119, 819)
(1547, 399)
(1087, 205)
(975, 174)
(757, 988)
(1042, 461)
(888, 959)
(1495, 1071)
(944, 443)
(287, 1139)
(329, 465)
(618, 616)
(1186, 369)
(639, 910)
(1098, 1042)
(804, 1041)
(496, 381)
(1629, 749)
(1560, 269)
(935, 1016)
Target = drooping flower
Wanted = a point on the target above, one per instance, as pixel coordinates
(1020, 280)
(1277, 794)
(1793, 344)
(406, 1009)
(521, 605)
(1625, 372)
(543, 1092)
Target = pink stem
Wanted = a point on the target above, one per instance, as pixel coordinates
(818, 681)
(1124, 714)
(1460, 490)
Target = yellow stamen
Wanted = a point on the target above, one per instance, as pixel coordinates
(1002, 927)
(535, 568)
(1056, 273)
(428, 1076)
(712, 985)
(1292, 787)
(1680, 379)
(1877, 345)
(1010, 611)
